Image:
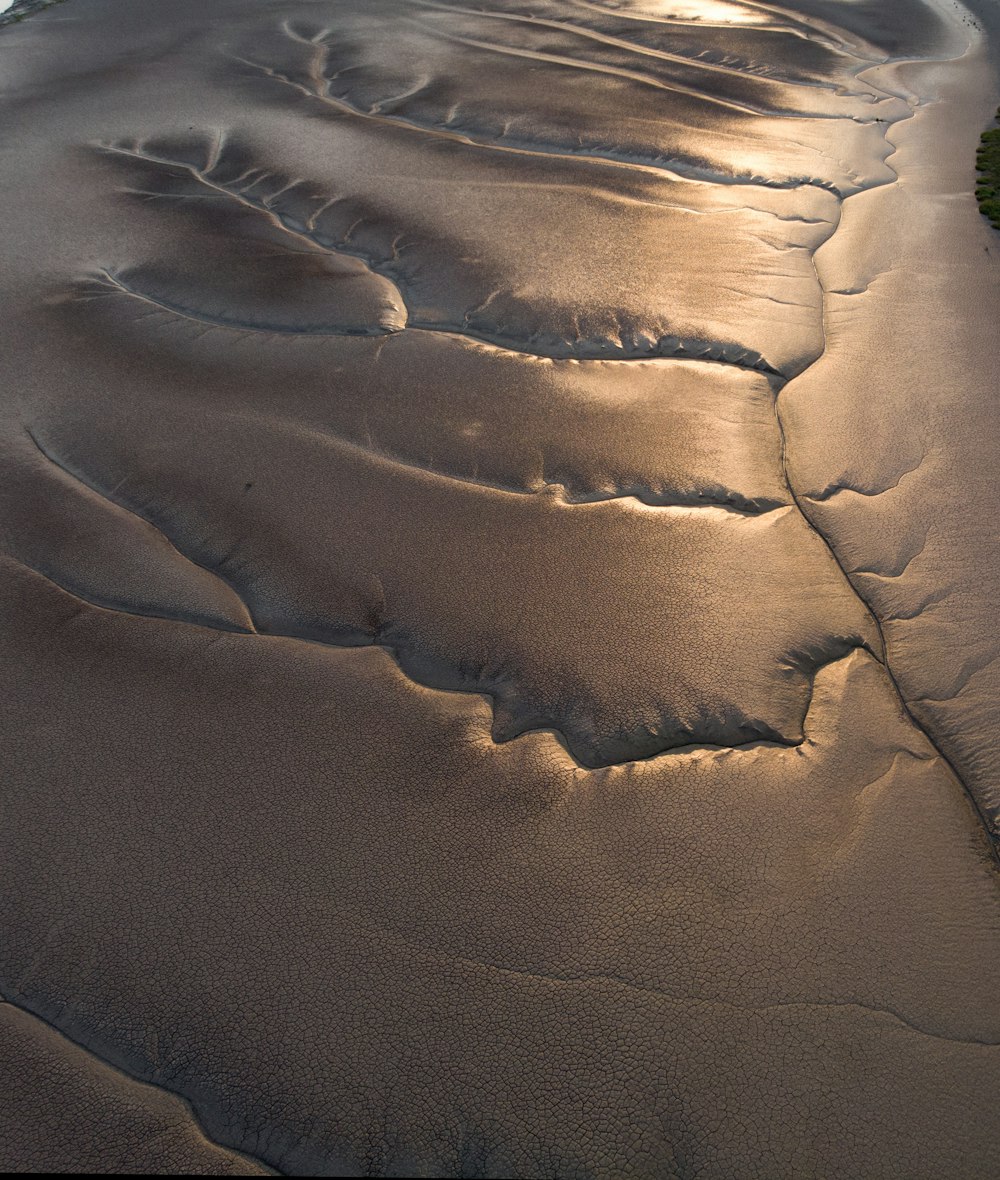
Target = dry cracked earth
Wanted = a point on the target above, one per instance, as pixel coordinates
(498, 564)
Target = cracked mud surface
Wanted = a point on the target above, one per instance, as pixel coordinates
(497, 679)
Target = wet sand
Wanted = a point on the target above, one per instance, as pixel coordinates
(498, 568)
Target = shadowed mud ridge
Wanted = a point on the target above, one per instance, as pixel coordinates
(756, 735)
(718, 499)
(308, 217)
(590, 739)
(501, 139)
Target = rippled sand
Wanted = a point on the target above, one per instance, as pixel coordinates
(498, 564)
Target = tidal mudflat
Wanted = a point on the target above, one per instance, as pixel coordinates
(498, 557)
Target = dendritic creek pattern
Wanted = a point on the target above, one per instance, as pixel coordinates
(466, 368)
(454, 742)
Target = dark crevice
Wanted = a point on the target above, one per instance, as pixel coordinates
(984, 820)
(666, 348)
(681, 167)
(640, 49)
(116, 1063)
(213, 571)
(799, 499)
(758, 734)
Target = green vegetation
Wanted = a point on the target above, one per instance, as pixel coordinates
(988, 166)
(22, 8)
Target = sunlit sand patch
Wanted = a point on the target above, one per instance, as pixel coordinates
(715, 11)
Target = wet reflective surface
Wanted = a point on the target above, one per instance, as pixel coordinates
(477, 706)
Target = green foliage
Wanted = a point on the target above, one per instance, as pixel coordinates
(23, 8)
(988, 166)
